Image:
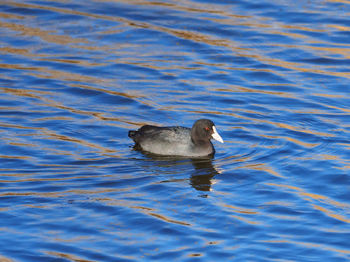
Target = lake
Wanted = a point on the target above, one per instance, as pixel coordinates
(76, 76)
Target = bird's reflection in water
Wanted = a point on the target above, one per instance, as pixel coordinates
(200, 177)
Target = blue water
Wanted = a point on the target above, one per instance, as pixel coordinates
(75, 76)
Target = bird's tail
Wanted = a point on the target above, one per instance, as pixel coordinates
(132, 133)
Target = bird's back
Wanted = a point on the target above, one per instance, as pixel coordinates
(174, 140)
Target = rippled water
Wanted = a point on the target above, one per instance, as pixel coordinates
(75, 76)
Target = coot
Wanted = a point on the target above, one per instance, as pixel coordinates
(177, 140)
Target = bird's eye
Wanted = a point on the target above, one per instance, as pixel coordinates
(206, 128)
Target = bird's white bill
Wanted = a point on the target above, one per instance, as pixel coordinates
(216, 135)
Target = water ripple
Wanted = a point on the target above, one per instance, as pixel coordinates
(74, 78)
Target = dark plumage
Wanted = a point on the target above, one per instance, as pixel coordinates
(177, 140)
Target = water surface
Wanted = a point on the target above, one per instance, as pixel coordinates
(75, 76)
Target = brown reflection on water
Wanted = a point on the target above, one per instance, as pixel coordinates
(50, 134)
(44, 57)
(43, 96)
(240, 210)
(92, 192)
(310, 245)
(18, 51)
(66, 256)
(5, 259)
(243, 214)
(240, 89)
(48, 36)
(46, 73)
(227, 19)
(137, 205)
(312, 198)
(13, 16)
(15, 157)
(270, 27)
(260, 23)
(169, 220)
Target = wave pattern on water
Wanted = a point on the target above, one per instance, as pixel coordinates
(75, 77)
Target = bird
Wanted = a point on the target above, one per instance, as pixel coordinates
(177, 140)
